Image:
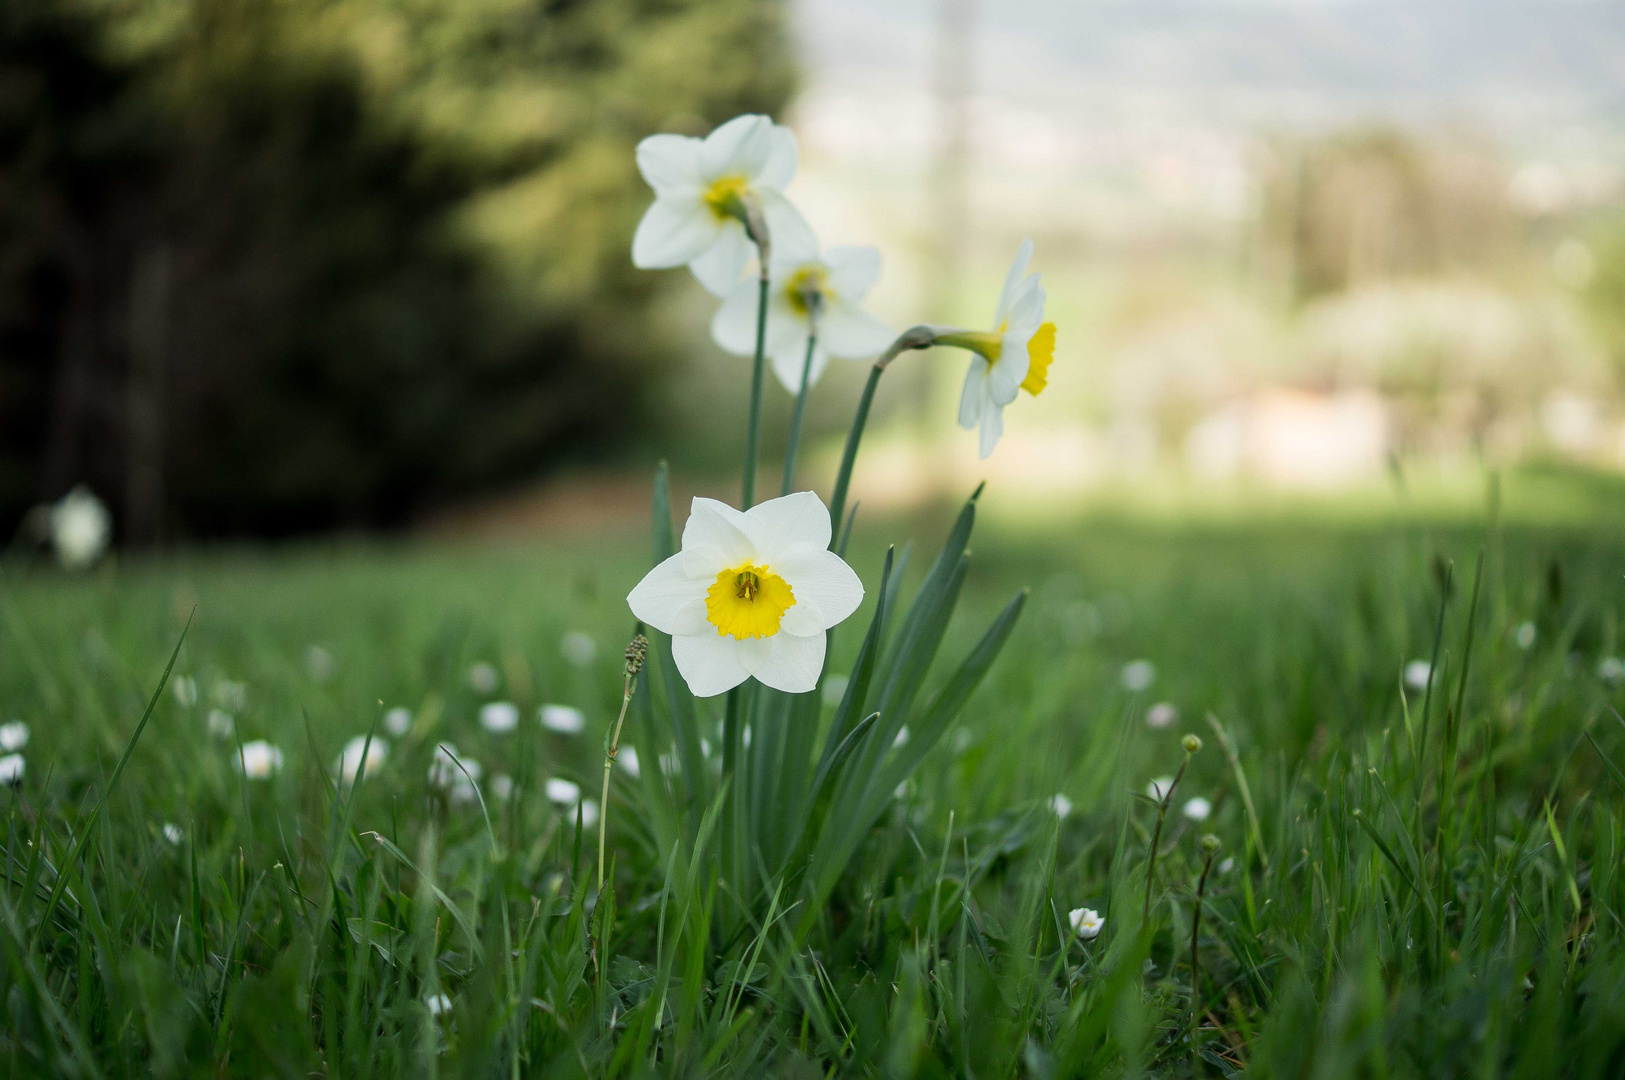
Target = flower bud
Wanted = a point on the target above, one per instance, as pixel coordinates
(1191, 743)
(1211, 843)
(636, 653)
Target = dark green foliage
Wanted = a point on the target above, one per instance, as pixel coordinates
(270, 267)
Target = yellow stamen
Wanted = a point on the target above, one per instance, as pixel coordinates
(726, 196)
(804, 284)
(748, 601)
(1040, 351)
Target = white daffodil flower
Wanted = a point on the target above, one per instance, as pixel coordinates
(702, 190)
(807, 291)
(750, 594)
(1014, 355)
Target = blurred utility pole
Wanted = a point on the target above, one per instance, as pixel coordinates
(948, 228)
(150, 281)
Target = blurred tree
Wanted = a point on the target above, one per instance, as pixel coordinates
(295, 264)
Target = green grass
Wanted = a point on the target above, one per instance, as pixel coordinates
(1427, 891)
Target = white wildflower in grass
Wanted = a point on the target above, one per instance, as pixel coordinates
(1138, 675)
(318, 664)
(628, 758)
(398, 721)
(561, 791)
(589, 813)
(1417, 673)
(1228, 865)
(1524, 635)
(349, 761)
(449, 769)
(1611, 669)
(13, 736)
(901, 738)
(1164, 714)
(704, 191)
(231, 696)
(502, 786)
(12, 768)
(184, 687)
(80, 529)
(482, 678)
(172, 833)
(1159, 788)
(1060, 805)
(259, 760)
(1197, 809)
(964, 739)
(499, 717)
(562, 719)
(1086, 923)
(834, 689)
(220, 723)
(438, 1004)
(807, 292)
(578, 649)
(750, 594)
(1014, 355)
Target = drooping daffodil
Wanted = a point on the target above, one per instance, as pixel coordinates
(808, 292)
(750, 594)
(705, 191)
(1014, 355)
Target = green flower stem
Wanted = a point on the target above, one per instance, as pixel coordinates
(794, 442)
(917, 337)
(753, 428)
(1156, 835)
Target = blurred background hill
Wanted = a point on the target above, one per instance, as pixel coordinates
(314, 264)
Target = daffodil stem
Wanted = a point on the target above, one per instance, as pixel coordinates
(917, 337)
(794, 442)
(753, 429)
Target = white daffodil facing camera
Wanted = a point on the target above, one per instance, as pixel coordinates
(750, 594)
(808, 293)
(704, 193)
(1014, 355)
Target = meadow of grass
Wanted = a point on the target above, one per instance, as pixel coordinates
(1407, 881)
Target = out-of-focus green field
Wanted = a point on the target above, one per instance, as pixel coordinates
(1409, 892)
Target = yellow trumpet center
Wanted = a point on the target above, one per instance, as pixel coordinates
(726, 196)
(804, 284)
(748, 601)
(1040, 351)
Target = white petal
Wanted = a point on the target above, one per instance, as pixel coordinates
(785, 225)
(852, 333)
(717, 268)
(789, 360)
(782, 158)
(1004, 378)
(792, 663)
(733, 327)
(674, 231)
(853, 270)
(669, 599)
(741, 146)
(1013, 280)
(671, 163)
(821, 579)
(784, 525)
(1027, 310)
(992, 427)
(709, 663)
(715, 537)
(975, 392)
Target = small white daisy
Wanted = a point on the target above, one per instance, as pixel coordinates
(1164, 714)
(438, 1004)
(628, 757)
(499, 717)
(1197, 809)
(578, 649)
(184, 687)
(562, 719)
(398, 721)
(13, 736)
(1060, 805)
(349, 762)
(12, 768)
(1159, 788)
(220, 723)
(1524, 635)
(482, 677)
(1086, 923)
(1137, 675)
(318, 664)
(502, 786)
(259, 760)
(173, 833)
(562, 791)
(1417, 674)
